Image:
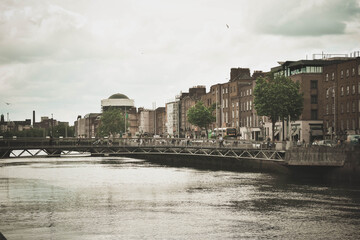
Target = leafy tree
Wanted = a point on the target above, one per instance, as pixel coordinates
(201, 116)
(112, 122)
(60, 130)
(278, 97)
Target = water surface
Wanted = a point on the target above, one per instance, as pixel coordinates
(122, 198)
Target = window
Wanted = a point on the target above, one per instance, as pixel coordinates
(353, 89)
(314, 114)
(314, 99)
(327, 93)
(250, 105)
(353, 107)
(347, 72)
(327, 77)
(347, 90)
(247, 92)
(333, 92)
(342, 74)
(342, 91)
(327, 109)
(333, 109)
(313, 84)
(333, 76)
(359, 69)
(342, 108)
(347, 107)
(250, 92)
(353, 72)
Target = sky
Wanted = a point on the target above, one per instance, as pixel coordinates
(61, 57)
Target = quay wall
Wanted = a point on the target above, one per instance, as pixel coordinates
(338, 164)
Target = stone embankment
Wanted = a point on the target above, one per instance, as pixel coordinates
(336, 164)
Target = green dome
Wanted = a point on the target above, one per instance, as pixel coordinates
(118, 96)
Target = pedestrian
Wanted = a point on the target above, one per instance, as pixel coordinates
(221, 141)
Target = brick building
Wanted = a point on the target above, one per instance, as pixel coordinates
(341, 101)
(186, 101)
(235, 103)
(331, 97)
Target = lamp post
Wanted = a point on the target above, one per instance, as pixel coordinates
(52, 125)
(334, 108)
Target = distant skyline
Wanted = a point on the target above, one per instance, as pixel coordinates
(62, 57)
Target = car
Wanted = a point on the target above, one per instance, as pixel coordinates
(326, 143)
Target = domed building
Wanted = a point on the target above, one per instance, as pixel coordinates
(117, 100)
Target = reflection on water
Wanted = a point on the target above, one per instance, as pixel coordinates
(121, 198)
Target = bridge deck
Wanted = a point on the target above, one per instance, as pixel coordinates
(21, 148)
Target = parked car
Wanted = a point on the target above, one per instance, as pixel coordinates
(326, 143)
(353, 139)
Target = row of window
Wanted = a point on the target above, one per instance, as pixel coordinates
(342, 73)
(353, 107)
(353, 91)
(349, 124)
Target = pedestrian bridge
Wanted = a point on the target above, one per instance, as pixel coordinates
(45, 147)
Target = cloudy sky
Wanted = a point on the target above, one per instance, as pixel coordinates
(62, 57)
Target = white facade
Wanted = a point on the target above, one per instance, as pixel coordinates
(301, 130)
(147, 122)
(172, 118)
(117, 103)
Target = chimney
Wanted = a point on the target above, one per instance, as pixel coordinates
(239, 73)
(33, 118)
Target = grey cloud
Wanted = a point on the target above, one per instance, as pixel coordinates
(308, 18)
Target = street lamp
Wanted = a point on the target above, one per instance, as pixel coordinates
(334, 108)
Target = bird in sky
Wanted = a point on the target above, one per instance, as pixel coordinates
(227, 26)
(7, 103)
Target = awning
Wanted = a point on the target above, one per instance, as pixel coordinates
(255, 130)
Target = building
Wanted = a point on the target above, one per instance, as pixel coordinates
(331, 100)
(341, 97)
(172, 118)
(160, 123)
(146, 122)
(234, 100)
(87, 127)
(14, 126)
(186, 101)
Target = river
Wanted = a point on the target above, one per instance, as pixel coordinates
(123, 198)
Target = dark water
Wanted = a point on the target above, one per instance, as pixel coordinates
(120, 198)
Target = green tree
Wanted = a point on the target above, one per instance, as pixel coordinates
(201, 116)
(112, 122)
(63, 130)
(278, 97)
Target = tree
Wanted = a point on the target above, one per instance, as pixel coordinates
(201, 116)
(112, 122)
(278, 97)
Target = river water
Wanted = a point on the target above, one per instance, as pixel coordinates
(123, 198)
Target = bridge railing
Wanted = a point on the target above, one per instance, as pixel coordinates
(109, 142)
